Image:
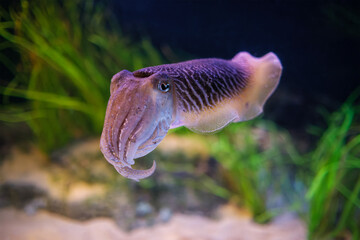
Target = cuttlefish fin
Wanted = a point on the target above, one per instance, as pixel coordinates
(248, 103)
(264, 78)
(211, 120)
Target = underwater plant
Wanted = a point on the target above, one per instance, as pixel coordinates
(258, 162)
(68, 50)
(334, 191)
(322, 185)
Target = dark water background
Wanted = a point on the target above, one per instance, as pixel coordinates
(318, 43)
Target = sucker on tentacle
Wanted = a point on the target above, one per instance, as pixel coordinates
(203, 95)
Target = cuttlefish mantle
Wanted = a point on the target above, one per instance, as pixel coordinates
(203, 95)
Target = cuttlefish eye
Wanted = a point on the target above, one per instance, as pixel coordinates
(164, 86)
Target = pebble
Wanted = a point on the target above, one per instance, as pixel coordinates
(165, 214)
(143, 209)
(32, 207)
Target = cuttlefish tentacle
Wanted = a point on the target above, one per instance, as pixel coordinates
(135, 174)
(203, 95)
(134, 115)
(158, 134)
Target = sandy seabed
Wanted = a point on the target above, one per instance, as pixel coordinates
(32, 219)
(16, 225)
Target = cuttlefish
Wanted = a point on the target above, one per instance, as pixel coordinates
(203, 95)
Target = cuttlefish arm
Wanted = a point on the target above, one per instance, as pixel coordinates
(137, 118)
(203, 95)
(135, 174)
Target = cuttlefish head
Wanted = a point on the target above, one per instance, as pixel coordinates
(138, 116)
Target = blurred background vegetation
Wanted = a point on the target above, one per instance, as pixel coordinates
(66, 54)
